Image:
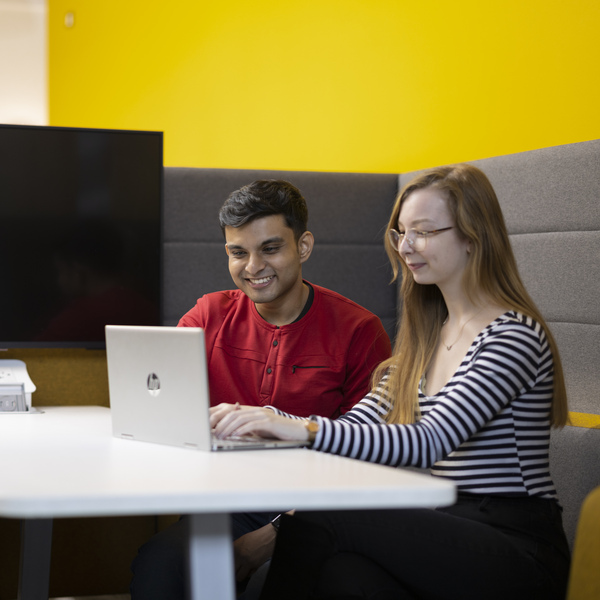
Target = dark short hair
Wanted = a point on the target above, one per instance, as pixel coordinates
(263, 198)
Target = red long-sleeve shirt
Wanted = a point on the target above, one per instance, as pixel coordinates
(320, 364)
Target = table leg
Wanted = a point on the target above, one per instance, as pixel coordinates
(34, 570)
(211, 570)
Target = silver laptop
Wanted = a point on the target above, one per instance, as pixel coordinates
(158, 386)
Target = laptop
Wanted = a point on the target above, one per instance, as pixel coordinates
(158, 387)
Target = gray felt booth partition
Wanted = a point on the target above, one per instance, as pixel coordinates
(347, 215)
(551, 202)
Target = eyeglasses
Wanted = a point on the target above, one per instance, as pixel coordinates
(415, 238)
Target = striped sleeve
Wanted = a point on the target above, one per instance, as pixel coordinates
(505, 364)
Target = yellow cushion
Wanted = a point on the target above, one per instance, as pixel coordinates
(584, 582)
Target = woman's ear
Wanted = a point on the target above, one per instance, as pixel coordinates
(305, 245)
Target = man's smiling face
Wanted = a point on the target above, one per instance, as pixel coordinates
(265, 261)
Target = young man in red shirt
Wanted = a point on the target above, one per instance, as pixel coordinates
(276, 340)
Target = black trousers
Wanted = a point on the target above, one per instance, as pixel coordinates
(481, 548)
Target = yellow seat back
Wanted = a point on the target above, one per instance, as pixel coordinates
(584, 580)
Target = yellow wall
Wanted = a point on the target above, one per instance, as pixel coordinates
(340, 85)
(332, 85)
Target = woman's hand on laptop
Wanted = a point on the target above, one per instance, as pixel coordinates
(232, 419)
(221, 410)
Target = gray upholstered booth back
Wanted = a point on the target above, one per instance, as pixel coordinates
(551, 203)
(347, 215)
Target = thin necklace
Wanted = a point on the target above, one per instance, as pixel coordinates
(460, 332)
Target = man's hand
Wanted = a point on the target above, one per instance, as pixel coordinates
(252, 550)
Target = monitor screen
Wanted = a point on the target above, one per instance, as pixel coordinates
(80, 233)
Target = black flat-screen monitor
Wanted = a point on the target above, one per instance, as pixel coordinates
(80, 233)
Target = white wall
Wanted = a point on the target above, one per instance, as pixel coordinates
(23, 62)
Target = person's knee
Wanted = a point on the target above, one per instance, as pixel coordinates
(158, 568)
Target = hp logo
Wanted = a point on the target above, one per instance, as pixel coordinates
(153, 384)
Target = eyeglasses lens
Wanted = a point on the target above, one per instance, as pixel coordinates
(416, 242)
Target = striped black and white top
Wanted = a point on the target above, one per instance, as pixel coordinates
(488, 429)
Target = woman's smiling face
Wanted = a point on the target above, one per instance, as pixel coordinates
(443, 260)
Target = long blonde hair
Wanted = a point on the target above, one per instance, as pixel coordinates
(491, 271)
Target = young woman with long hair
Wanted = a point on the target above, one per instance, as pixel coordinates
(472, 390)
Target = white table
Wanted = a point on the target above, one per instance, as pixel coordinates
(65, 463)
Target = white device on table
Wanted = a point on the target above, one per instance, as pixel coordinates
(16, 387)
(158, 386)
